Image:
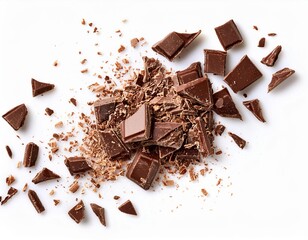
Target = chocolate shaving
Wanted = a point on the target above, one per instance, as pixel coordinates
(254, 107)
(127, 208)
(73, 101)
(30, 156)
(215, 62)
(40, 87)
(272, 57)
(16, 116)
(238, 140)
(77, 213)
(49, 111)
(36, 201)
(9, 151)
(44, 175)
(279, 77)
(99, 212)
(219, 129)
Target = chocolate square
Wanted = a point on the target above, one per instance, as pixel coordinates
(189, 74)
(215, 62)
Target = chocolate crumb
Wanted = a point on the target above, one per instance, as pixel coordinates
(74, 187)
(56, 202)
(55, 63)
(99, 212)
(238, 140)
(116, 197)
(84, 70)
(9, 180)
(272, 57)
(49, 111)
(272, 34)
(11, 192)
(219, 129)
(121, 49)
(255, 28)
(25, 187)
(261, 42)
(83, 21)
(73, 101)
(218, 182)
(9, 151)
(37, 204)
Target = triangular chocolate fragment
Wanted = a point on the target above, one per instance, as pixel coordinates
(44, 175)
(99, 212)
(40, 87)
(77, 212)
(127, 208)
(11, 192)
(165, 151)
(254, 107)
(161, 129)
(271, 58)
(16, 116)
(279, 77)
(239, 141)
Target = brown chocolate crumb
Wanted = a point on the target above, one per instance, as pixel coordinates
(219, 152)
(261, 42)
(204, 192)
(238, 140)
(83, 61)
(11, 192)
(24, 189)
(168, 183)
(9, 151)
(56, 202)
(116, 197)
(218, 182)
(84, 70)
(134, 42)
(52, 192)
(9, 180)
(55, 63)
(127, 208)
(59, 124)
(73, 101)
(121, 49)
(272, 34)
(49, 111)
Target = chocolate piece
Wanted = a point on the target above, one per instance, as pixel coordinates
(36, 201)
(174, 43)
(30, 156)
(99, 212)
(215, 62)
(165, 151)
(49, 111)
(279, 77)
(9, 151)
(44, 175)
(9, 180)
(224, 105)
(189, 74)
(73, 101)
(74, 187)
(228, 35)
(40, 87)
(205, 140)
(272, 57)
(77, 165)
(199, 90)
(143, 169)
(11, 192)
(138, 126)
(103, 108)
(254, 107)
(261, 42)
(239, 141)
(128, 208)
(185, 155)
(16, 116)
(113, 145)
(219, 129)
(244, 74)
(77, 212)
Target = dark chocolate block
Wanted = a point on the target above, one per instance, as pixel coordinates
(189, 74)
(103, 108)
(99, 212)
(254, 107)
(30, 156)
(40, 87)
(279, 77)
(44, 175)
(77, 165)
(228, 35)
(127, 208)
(215, 62)
(238, 140)
(16, 116)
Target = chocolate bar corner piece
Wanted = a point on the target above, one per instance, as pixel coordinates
(30, 156)
(103, 108)
(254, 107)
(77, 165)
(215, 62)
(238, 140)
(40, 87)
(272, 57)
(189, 74)
(77, 213)
(279, 77)
(16, 116)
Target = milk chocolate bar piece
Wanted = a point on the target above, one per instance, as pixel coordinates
(30, 156)
(272, 57)
(215, 62)
(254, 107)
(36, 201)
(99, 212)
(11, 192)
(174, 43)
(143, 169)
(44, 175)
(40, 87)
(127, 208)
(205, 140)
(244, 74)
(77, 212)
(103, 108)
(279, 77)
(228, 35)
(238, 140)
(16, 117)
(189, 74)
(77, 165)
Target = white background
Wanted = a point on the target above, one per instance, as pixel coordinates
(263, 194)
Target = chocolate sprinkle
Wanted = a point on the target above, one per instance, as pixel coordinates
(219, 129)
(44, 175)
(16, 116)
(239, 141)
(99, 212)
(77, 212)
(279, 77)
(254, 107)
(40, 87)
(127, 208)
(49, 111)
(36, 201)
(272, 57)
(30, 156)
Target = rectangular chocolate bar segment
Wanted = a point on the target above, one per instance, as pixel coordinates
(215, 62)
(36, 201)
(30, 156)
(189, 74)
(228, 35)
(103, 108)
(77, 165)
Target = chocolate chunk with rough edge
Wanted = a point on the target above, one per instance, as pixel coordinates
(204, 137)
(238, 140)
(261, 42)
(165, 151)
(254, 107)
(16, 117)
(187, 154)
(103, 108)
(77, 165)
(244, 74)
(228, 35)
(143, 169)
(11, 192)
(219, 129)
(49, 111)
(215, 62)
(272, 57)
(77, 212)
(99, 212)
(189, 74)
(30, 156)
(44, 175)
(174, 43)
(127, 208)
(40, 87)
(37, 204)
(224, 105)
(280, 76)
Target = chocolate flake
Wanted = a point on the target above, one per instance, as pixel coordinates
(73, 101)
(127, 208)
(215, 62)
(272, 57)
(11, 192)
(219, 129)
(36, 201)
(30, 156)
(279, 77)
(74, 187)
(40, 87)
(261, 42)
(77, 212)
(103, 108)
(49, 111)
(16, 116)
(99, 212)
(9, 151)
(44, 175)
(254, 107)
(77, 165)
(238, 140)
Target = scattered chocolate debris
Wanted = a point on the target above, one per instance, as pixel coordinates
(49, 111)
(9, 151)
(36, 201)
(134, 42)
(261, 42)
(55, 63)
(272, 34)
(239, 141)
(279, 77)
(73, 101)
(272, 57)
(9, 180)
(77, 165)
(77, 212)
(11, 192)
(189, 74)
(204, 192)
(16, 117)
(99, 212)
(219, 129)
(103, 108)
(44, 175)
(128, 208)
(30, 156)
(254, 107)
(121, 49)
(74, 187)
(215, 62)
(25, 187)
(228, 35)
(218, 182)
(255, 28)
(40, 87)
(56, 202)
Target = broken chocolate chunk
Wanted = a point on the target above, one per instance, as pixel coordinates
(9, 151)
(187, 154)
(165, 151)
(44, 175)
(244, 74)
(215, 62)
(174, 43)
(205, 139)
(272, 57)
(77, 212)
(143, 169)
(99, 212)
(279, 76)
(11, 192)
(16, 116)
(103, 108)
(49, 111)
(73, 101)
(261, 42)
(30, 156)
(219, 129)
(77, 165)
(127, 208)
(228, 35)
(224, 105)
(254, 107)
(36, 201)
(189, 74)
(40, 87)
(239, 141)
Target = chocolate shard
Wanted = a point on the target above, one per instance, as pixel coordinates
(16, 117)
(137, 127)
(162, 129)
(238, 140)
(174, 43)
(9, 151)
(279, 76)
(99, 212)
(40, 87)
(261, 42)
(187, 155)
(113, 146)
(200, 91)
(189, 74)
(219, 129)
(77, 212)
(228, 35)
(165, 151)
(244, 74)
(204, 138)
(77, 165)
(36, 201)
(128, 208)
(103, 108)
(44, 175)
(30, 156)
(254, 107)
(272, 57)
(215, 62)
(11, 192)
(224, 105)
(49, 111)
(143, 169)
